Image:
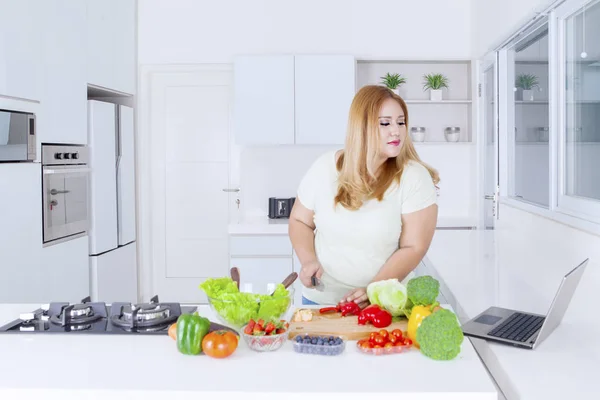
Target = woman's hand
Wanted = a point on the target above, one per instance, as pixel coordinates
(308, 270)
(358, 295)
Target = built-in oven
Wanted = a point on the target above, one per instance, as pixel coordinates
(17, 136)
(65, 176)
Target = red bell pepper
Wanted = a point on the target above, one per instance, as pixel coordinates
(374, 314)
(350, 308)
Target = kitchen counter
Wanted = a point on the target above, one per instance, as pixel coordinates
(265, 226)
(478, 269)
(150, 367)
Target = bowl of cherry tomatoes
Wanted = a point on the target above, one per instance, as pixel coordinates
(385, 342)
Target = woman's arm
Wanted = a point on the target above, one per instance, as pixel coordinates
(302, 235)
(417, 231)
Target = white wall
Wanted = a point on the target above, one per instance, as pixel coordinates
(493, 21)
(200, 31)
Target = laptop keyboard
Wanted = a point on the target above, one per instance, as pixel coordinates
(518, 327)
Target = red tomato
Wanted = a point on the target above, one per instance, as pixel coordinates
(372, 336)
(393, 339)
(366, 345)
(384, 334)
(219, 344)
(388, 345)
(407, 342)
(399, 343)
(377, 346)
(380, 340)
(397, 333)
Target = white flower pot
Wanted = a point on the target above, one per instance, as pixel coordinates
(527, 95)
(417, 134)
(435, 94)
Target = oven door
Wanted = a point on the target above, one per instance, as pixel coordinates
(65, 198)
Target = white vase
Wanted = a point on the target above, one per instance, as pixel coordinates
(452, 134)
(435, 94)
(417, 134)
(527, 95)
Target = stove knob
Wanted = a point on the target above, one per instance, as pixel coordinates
(75, 156)
(58, 156)
(66, 156)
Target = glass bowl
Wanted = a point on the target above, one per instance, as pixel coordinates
(264, 342)
(254, 302)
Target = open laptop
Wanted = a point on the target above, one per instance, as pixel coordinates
(523, 329)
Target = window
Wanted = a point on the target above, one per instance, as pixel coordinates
(579, 113)
(528, 118)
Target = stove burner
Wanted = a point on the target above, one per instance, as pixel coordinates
(148, 315)
(76, 314)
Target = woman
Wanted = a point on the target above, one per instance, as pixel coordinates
(367, 212)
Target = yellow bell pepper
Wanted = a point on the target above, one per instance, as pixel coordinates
(417, 315)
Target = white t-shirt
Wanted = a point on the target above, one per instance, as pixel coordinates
(352, 246)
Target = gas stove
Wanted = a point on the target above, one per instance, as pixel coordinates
(98, 317)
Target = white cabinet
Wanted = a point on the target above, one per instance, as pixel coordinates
(21, 48)
(111, 44)
(286, 99)
(264, 99)
(63, 113)
(325, 87)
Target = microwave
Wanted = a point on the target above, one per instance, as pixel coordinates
(17, 136)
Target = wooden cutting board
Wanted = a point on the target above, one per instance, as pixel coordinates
(334, 324)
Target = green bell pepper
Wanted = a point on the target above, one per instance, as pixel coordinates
(191, 329)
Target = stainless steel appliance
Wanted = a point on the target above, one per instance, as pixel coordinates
(17, 136)
(120, 318)
(65, 180)
(280, 208)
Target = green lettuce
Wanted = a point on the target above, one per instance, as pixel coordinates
(389, 294)
(237, 308)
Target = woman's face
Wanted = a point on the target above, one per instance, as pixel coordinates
(392, 128)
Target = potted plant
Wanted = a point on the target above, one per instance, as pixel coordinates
(393, 81)
(435, 83)
(527, 82)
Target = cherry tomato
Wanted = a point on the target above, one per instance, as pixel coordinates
(388, 345)
(372, 336)
(393, 339)
(407, 342)
(219, 344)
(384, 334)
(380, 340)
(399, 343)
(397, 333)
(366, 345)
(377, 346)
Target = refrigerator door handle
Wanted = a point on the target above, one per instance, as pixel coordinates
(118, 143)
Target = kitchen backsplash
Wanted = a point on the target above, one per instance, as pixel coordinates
(273, 171)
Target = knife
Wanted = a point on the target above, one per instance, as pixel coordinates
(317, 284)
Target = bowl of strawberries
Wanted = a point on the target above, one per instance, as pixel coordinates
(264, 335)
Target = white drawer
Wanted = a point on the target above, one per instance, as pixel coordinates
(275, 245)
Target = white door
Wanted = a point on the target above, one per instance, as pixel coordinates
(489, 143)
(103, 178)
(185, 163)
(323, 103)
(126, 177)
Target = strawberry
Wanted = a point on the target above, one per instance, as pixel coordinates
(261, 323)
(269, 328)
(279, 331)
(257, 330)
(248, 329)
(251, 324)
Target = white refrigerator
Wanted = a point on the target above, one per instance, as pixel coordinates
(112, 234)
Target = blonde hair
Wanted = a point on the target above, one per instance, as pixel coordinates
(357, 180)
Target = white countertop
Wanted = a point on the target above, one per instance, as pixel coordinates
(150, 367)
(265, 226)
(477, 276)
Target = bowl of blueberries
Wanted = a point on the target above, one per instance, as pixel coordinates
(322, 345)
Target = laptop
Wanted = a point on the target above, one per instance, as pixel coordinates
(524, 329)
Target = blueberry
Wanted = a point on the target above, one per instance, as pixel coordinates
(306, 341)
(320, 342)
(298, 339)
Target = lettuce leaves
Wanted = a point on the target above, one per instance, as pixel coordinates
(237, 308)
(389, 294)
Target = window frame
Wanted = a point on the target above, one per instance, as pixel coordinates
(575, 206)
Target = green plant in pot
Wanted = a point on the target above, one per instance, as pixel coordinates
(527, 82)
(435, 83)
(393, 81)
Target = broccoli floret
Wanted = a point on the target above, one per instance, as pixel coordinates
(440, 336)
(423, 290)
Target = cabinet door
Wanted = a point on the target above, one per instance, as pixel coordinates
(264, 100)
(63, 116)
(325, 87)
(21, 48)
(103, 178)
(113, 275)
(111, 44)
(126, 177)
